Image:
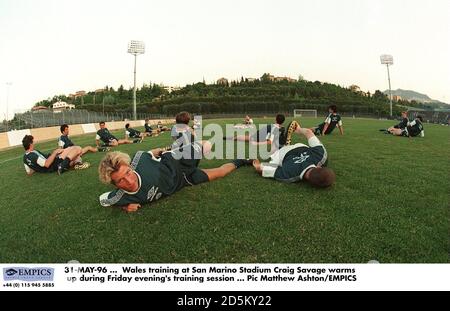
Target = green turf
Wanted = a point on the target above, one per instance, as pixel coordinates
(390, 203)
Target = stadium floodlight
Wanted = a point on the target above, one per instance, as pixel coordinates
(8, 85)
(388, 60)
(135, 48)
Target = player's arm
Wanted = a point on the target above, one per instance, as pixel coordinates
(52, 157)
(97, 140)
(132, 207)
(61, 144)
(28, 170)
(265, 169)
(325, 128)
(327, 124)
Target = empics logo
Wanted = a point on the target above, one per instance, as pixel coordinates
(28, 274)
(10, 272)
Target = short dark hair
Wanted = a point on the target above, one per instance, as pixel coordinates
(280, 118)
(127, 125)
(27, 141)
(101, 122)
(146, 120)
(63, 127)
(333, 107)
(183, 117)
(420, 118)
(322, 177)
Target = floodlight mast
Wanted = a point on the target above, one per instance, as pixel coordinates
(388, 60)
(135, 48)
(8, 85)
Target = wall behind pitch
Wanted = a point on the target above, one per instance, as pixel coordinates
(14, 138)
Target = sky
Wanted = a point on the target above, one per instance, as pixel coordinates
(50, 47)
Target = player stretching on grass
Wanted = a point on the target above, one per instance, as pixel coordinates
(330, 123)
(60, 160)
(152, 175)
(65, 142)
(297, 162)
(107, 138)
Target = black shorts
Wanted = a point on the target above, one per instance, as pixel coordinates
(54, 166)
(194, 176)
(319, 129)
(189, 159)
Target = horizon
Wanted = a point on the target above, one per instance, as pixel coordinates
(60, 47)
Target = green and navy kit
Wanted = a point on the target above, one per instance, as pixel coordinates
(65, 142)
(414, 128)
(290, 163)
(105, 136)
(132, 133)
(35, 160)
(148, 128)
(158, 178)
(180, 130)
(402, 124)
(332, 120)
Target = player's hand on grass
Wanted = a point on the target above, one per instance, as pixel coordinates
(132, 207)
(257, 165)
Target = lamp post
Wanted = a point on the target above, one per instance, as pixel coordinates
(135, 48)
(388, 60)
(8, 85)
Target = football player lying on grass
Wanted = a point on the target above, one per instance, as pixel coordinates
(297, 162)
(60, 160)
(152, 175)
(412, 129)
(64, 142)
(135, 134)
(266, 135)
(108, 139)
(330, 123)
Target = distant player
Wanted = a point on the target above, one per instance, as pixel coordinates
(149, 130)
(297, 162)
(152, 175)
(182, 128)
(162, 128)
(132, 133)
(266, 135)
(413, 129)
(60, 160)
(64, 142)
(403, 124)
(330, 123)
(108, 139)
(248, 120)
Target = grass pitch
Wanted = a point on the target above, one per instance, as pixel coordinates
(390, 203)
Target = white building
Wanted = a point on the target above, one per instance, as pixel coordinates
(59, 106)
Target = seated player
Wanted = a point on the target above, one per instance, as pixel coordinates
(132, 133)
(182, 128)
(152, 175)
(248, 120)
(403, 124)
(330, 123)
(149, 130)
(64, 142)
(267, 135)
(162, 128)
(60, 160)
(107, 138)
(297, 162)
(197, 124)
(413, 129)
